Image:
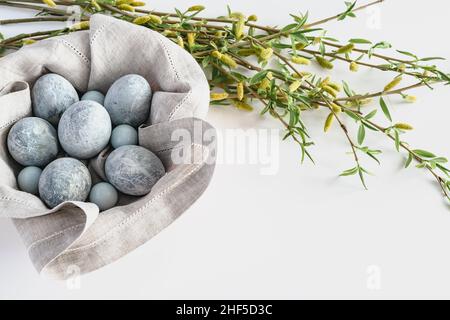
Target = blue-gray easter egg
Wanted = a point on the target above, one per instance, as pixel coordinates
(128, 100)
(133, 170)
(104, 195)
(52, 95)
(94, 96)
(33, 142)
(124, 135)
(28, 179)
(65, 179)
(84, 129)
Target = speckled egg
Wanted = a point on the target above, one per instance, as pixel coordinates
(28, 179)
(33, 142)
(104, 195)
(128, 100)
(84, 129)
(52, 95)
(133, 170)
(65, 179)
(124, 135)
(96, 96)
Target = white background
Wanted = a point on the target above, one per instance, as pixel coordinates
(304, 232)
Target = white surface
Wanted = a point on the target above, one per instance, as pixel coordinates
(304, 232)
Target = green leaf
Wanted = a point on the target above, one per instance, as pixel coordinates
(409, 54)
(360, 41)
(361, 172)
(385, 109)
(424, 153)
(397, 140)
(409, 160)
(432, 58)
(347, 89)
(349, 172)
(2, 49)
(289, 27)
(351, 115)
(257, 78)
(361, 134)
(371, 114)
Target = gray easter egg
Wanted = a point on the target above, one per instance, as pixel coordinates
(133, 170)
(104, 195)
(124, 135)
(94, 96)
(52, 95)
(84, 129)
(28, 179)
(33, 142)
(128, 100)
(65, 179)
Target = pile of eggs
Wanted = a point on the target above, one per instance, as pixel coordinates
(65, 132)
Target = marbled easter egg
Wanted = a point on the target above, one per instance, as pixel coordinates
(124, 135)
(52, 95)
(96, 96)
(133, 170)
(128, 100)
(33, 141)
(65, 179)
(28, 179)
(104, 195)
(84, 129)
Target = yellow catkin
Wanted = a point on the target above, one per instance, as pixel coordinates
(301, 75)
(294, 86)
(126, 7)
(28, 41)
(328, 122)
(180, 41)
(265, 83)
(243, 106)
(141, 20)
(252, 18)
(336, 108)
(138, 3)
(324, 63)
(169, 33)
(300, 46)
(266, 53)
(239, 27)
(324, 82)
(246, 52)
(330, 91)
(410, 99)
(346, 49)
(300, 60)
(155, 19)
(120, 2)
(191, 39)
(196, 8)
(50, 3)
(80, 26)
(403, 126)
(240, 91)
(391, 85)
(402, 67)
(317, 40)
(217, 96)
(229, 61)
(335, 86)
(354, 67)
(96, 5)
(216, 54)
